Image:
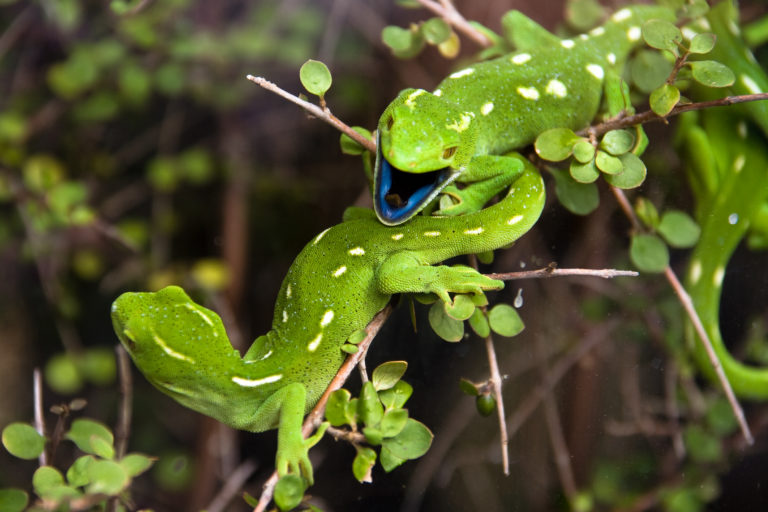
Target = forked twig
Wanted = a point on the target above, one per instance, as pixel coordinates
(449, 14)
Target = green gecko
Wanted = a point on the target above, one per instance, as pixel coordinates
(336, 285)
(727, 160)
(459, 132)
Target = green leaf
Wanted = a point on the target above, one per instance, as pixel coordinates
(251, 500)
(647, 213)
(97, 365)
(84, 430)
(702, 446)
(633, 174)
(617, 142)
(679, 229)
(369, 406)
(289, 492)
(468, 387)
(411, 443)
(49, 483)
(315, 77)
(664, 99)
(607, 163)
(77, 474)
(584, 14)
(336, 410)
(711, 73)
(396, 397)
(649, 70)
(386, 375)
(373, 435)
(444, 326)
(349, 146)
(350, 349)
(393, 422)
(404, 43)
(13, 500)
(450, 47)
(436, 31)
(584, 173)
(42, 172)
(693, 9)
(702, 43)
(23, 441)
(578, 198)
(363, 463)
(584, 151)
(135, 464)
(505, 321)
(102, 447)
(479, 323)
(107, 477)
(662, 35)
(485, 404)
(556, 144)
(461, 309)
(649, 253)
(357, 336)
(388, 460)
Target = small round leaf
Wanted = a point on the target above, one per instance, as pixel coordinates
(444, 326)
(461, 308)
(584, 173)
(412, 442)
(363, 464)
(711, 73)
(664, 99)
(647, 212)
(556, 144)
(107, 477)
(349, 146)
(578, 198)
(679, 229)
(289, 492)
(633, 174)
(450, 47)
(662, 35)
(396, 397)
(13, 500)
(387, 374)
(584, 151)
(23, 441)
(315, 77)
(505, 320)
(608, 164)
(479, 323)
(649, 253)
(436, 31)
(336, 410)
(83, 430)
(393, 422)
(702, 43)
(617, 142)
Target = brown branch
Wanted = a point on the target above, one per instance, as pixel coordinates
(449, 14)
(315, 416)
(495, 382)
(123, 427)
(687, 303)
(320, 113)
(37, 394)
(650, 116)
(607, 273)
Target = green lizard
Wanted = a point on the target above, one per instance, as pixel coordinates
(459, 132)
(348, 272)
(727, 161)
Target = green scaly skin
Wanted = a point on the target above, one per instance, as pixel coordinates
(335, 286)
(482, 112)
(728, 169)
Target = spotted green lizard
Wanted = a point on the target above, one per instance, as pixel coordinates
(727, 159)
(347, 273)
(460, 132)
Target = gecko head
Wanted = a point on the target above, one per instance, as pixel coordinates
(157, 326)
(424, 142)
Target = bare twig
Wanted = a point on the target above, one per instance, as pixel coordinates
(650, 116)
(450, 15)
(314, 418)
(316, 111)
(687, 303)
(495, 382)
(607, 273)
(37, 387)
(123, 428)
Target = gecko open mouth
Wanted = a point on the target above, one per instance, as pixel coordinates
(398, 195)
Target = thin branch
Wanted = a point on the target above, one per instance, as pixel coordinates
(314, 418)
(123, 427)
(687, 303)
(323, 114)
(37, 396)
(450, 15)
(232, 485)
(495, 382)
(607, 273)
(650, 116)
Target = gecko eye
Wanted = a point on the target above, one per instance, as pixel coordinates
(449, 152)
(390, 122)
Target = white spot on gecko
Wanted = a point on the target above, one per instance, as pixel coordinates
(521, 58)
(397, 236)
(514, 220)
(339, 271)
(461, 125)
(738, 163)
(319, 237)
(742, 129)
(596, 71)
(463, 72)
(634, 33)
(315, 343)
(597, 31)
(288, 291)
(622, 15)
(199, 313)
(168, 350)
(356, 251)
(475, 231)
(529, 93)
(431, 233)
(733, 219)
(327, 318)
(750, 84)
(438, 92)
(611, 58)
(252, 383)
(717, 277)
(415, 94)
(695, 271)
(557, 89)
(567, 44)
(285, 316)
(486, 108)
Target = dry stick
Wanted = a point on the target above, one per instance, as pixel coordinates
(314, 417)
(123, 427)
(324, 114)
(37, 397)
(496, 387)
(450, 15)
(687, 303)
(650, 116)
(607, 273)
